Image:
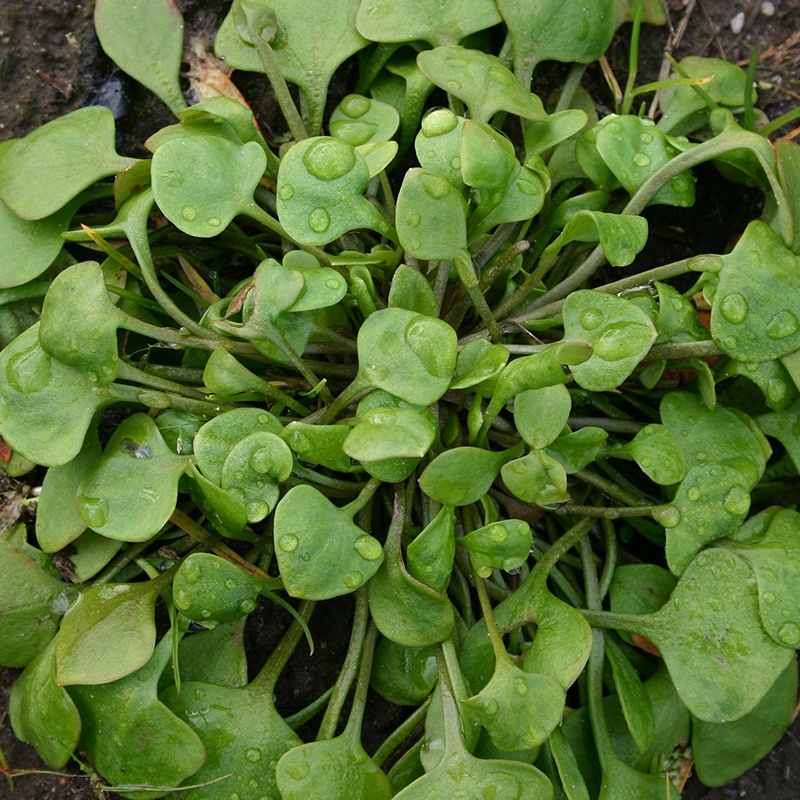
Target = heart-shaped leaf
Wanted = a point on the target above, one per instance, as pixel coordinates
(576, 450)
(438, 145)
(321, 552)
(202, 182)
(79, 322)
(321, 184)
(411, 356)
(482, 81)
(53, 404)
(410, 290)
(402, 675)
(41, 173)
(619, 332)
(130, 493)
(146, 41)
(711, 637)
(215, 656)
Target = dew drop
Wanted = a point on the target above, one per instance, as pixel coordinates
(737, 501)
(286, 191)
(729, 342)
(328, 159)
(439, 122)
(782, 325)
(319, 220)
(261, 461)
(214, 222)
(768, 597)
(434, 186)
(353, 579)
(680, 183)
(693, 494)
(668, 516)
(305, 556)
(298, 770)
(701, 455)
(253, 783)
(455, 163)
(789, 633)
(500, 75)
(491, 707)
(641, 160)
(453, 86)
(332, 284)
(205, 613)
(189, 213)
(173, 178)
(368, 547)
(591, 318)
(413, 220)
(646, 138)
(414, 244)
(521, 686)
(30, 370)
(288, 543)
(706, 263)
(94, 510)
(734, 308)
(190, 571)
(246, 606)
(231, 583)
(498, 533)
(253, 754)
(355, 105)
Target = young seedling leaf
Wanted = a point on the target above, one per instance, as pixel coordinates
(438, 145)
(656, 450)
(537, 478)
(429, 558)
(410, 290)
(318, 444)
(577, 450)
(541, 414)
(321, 184)
(482, 81)
(358, 120)
(145, 40)
(131, 491)
(321, 552)
(212, 591)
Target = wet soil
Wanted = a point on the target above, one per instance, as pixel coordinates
(50, 63)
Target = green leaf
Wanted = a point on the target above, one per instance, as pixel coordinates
(576, 450)
(79, 322)
(431, 218)
(130, 493)
(711, 637)
(463, 475)
(31, 605)
(320, 193)
(440, 22)
(358, 120)
(402, 675)
(619, 332)
(130, 736)
(537, 478)
(541, 414)
(58, 518)
(42, 713)
(634, 149)
(254, 470)
(776, 566)
(308, 41)
(559, 31)
(410, 290)
(479, 361)
(438, 145)
(215, 656)
(639, 589)
(411, 356)
(108, 633)
(755, 316)
(482, 81)
(558, 127)
(656, 450)
(725, 750)
(321, 552)
(226, 512)
(212, 591)
(318, 444)
(382, 433)
(145, 40)
(53, 404)
(635, 703)
(519, 710)
(41, 173)
(677, 319)
(622, 236)
(429, 557)
(202, 182)
(215, 440)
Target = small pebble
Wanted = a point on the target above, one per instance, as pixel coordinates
(768, 9)
(737, 22)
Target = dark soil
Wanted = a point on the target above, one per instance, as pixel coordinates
(50, 63)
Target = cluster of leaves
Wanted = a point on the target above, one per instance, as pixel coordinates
(384, 361)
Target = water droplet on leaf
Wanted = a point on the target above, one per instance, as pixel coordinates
(737, 501)
(355, 106)
(189, 213)
(789, 633)
(288, 543)
(94, 510)
(328, 159)
(641, 160)
(286, 191)
(29, 371)
(591, 318)
(319, 220)
(353, 579)
(782, 325)
(368, 547)
(253, 754)
(734, 308)
(413, 220)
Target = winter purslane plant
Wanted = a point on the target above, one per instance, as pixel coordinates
(393, 360)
